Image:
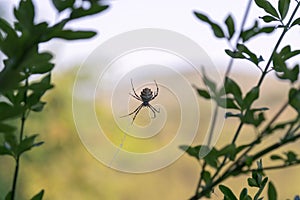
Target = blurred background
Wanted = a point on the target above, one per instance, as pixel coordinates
(66, 170)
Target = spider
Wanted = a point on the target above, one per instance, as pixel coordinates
(146, 96)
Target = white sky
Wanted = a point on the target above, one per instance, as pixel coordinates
(175, 15)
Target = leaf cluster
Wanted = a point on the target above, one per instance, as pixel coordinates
(21, 94)
(232, 159)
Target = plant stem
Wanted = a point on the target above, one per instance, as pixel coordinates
(23, 119)
(286, 28)
(237, 41)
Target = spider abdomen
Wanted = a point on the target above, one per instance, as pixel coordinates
(146, 95)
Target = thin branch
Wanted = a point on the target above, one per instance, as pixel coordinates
(23, 119)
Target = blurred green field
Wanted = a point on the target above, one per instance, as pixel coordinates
(66, 170)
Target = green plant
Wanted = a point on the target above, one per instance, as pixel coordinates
(20, 93)
(233, 159)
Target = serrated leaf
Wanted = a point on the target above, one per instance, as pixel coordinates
(228, 194)
(215, 27)
(289, 74)
(95, 8)
(61, 5)
(230, 26)
(268, 18)
(283, 7)
(25, 15)
(38, 196)
(272, 194)
(267, 6)
(296, 22)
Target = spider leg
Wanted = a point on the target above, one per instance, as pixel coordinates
(157, 90)
(136, 110)
(153, 110)
(134, 89)
(138, 98)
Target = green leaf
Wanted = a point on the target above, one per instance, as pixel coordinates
(212, 158)
(25, 15)
(38, 196)
(228, 194)
(94, 9)
(272, 194)
(209, 83)
(231, 87)
(244, 195)
(261, 188)
(296, 22)
(27, 143)
(276, 157)
(5, 151)
(234, 54)
(230, 114)
(38, 63)
(252, 118)
(283, 7)
(5, 128)
(74, 35)
(38, 107)
(255, 30)
(215, 27)
(289, 74)
(230, 26)
(268, 18)
(251, 56)
(192, 151)
(294, 99)
(229, 151)
(228, 103)
(291, 157)
(10, 44)
(250, 97)
(8, 196)
(8, 111)
(206, 177)
(61, 5)
(203, 93)
(252, 182)
(264, 4)
(217, 31)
